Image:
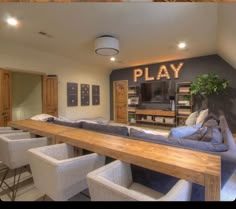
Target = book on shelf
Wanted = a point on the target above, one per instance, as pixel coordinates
(184, 112)
(133, 100)
(170, 120)
(149, 117)
(131, 92)
(184, 102)
(159, 119)
(131, 109)
(184, 89)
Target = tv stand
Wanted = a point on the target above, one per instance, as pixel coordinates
(155, 117)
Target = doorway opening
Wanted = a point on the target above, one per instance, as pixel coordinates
(26, 95)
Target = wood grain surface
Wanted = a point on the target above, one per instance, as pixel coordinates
(194, 166)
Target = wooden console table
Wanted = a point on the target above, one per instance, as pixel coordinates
(194, 166)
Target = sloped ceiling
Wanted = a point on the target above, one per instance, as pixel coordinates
(148, 32)
(226, 39)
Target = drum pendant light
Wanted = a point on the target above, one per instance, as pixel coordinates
(106, 45)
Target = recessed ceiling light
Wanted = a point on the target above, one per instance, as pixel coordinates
(113, 59)
(182, 45)
(12, 21)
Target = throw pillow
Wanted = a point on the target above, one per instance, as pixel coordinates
(207, 137)
(211, 121)
(198, 135)
(42, 117)
(66, 123)
(183, 131)
(202, 116)
(192, 118)
(217, 137)
(213, 135)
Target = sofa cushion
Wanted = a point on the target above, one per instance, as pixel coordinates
(117, 130)
(198, 135)
(217, 137)
(211, 123)
(65, 123)
(183, 131)
(192, 118)
(180, 142)
(199, 145)
(201, 117)
(150, 137)
(207, 137)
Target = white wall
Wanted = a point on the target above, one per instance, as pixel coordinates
(226, 40)
(15, 56)
(84, 75)
(26, 95)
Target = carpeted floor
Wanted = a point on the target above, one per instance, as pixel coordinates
(28, 192)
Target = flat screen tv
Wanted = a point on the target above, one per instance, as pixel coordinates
(156, 92)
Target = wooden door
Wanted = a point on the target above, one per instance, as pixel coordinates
(5, 97)
(120, 101)
(50, 95)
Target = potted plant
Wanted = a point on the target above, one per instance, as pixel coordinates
(186, 98)
(208, 84)
(132, 118)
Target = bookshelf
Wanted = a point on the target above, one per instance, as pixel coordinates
(184, 102)
(133, 102)
(155, 117)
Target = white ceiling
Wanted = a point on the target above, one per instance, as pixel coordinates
(148, 32)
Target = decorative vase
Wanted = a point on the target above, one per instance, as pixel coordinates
(173, 105)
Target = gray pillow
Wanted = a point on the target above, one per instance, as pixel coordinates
(217, 137)
(213, 135)
(199, 145)
(207, 137)
(180, 142)
(192, 118)
(198, 135)
(65, 123)
(211, 123)
(144, 136)
(117, 130)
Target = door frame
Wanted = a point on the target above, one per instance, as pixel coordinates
(113, 85)
(12, 70)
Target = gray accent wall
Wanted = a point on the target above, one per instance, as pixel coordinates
(191, 69)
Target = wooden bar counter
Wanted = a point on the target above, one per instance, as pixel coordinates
(40, 128)
(194, 166)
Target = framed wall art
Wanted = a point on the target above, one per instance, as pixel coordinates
(72, 94)
(84, 94)
(95, 95)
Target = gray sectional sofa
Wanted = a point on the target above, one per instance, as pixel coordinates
(222, 143)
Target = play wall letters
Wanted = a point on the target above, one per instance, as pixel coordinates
(161, 73)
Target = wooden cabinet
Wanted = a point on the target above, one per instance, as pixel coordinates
(184, 102)
(155, 117)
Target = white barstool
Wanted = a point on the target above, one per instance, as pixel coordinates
(7, 130)
(113, 182)
(13, 153)
(59, 173)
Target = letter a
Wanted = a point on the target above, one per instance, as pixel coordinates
(163, 73)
